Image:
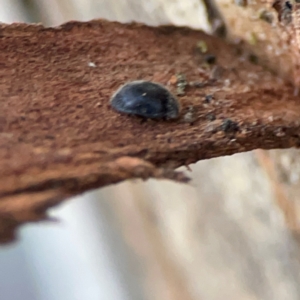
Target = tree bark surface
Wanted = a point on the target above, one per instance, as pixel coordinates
(59, 136)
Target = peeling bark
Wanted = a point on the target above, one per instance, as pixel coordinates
(59, 137)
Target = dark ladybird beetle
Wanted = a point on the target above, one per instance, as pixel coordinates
(146, 99)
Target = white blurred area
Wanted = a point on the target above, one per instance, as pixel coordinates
(74, 258)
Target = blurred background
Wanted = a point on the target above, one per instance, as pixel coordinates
(230, 234)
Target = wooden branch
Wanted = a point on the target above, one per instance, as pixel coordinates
(59, 137)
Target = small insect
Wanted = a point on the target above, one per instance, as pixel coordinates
(146, 99)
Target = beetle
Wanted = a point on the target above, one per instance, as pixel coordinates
(146, 99)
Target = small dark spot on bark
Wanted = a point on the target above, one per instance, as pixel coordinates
(253, 59)
(284, 10)
(210, 59)
(229, 126)
(208, 98)
(288, 5)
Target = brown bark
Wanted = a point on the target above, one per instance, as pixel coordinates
(269, 28)
(59, 136)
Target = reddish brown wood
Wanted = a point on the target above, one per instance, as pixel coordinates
(59, 136)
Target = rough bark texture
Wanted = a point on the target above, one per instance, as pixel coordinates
(59, 136)
(268, 28)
